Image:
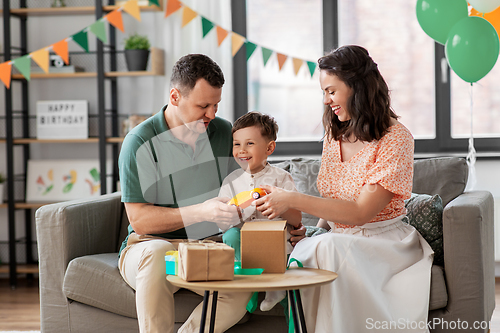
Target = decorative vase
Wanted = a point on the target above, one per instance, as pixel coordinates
(137, 60)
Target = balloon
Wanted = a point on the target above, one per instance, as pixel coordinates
(472, 48)
(492, 17)
(436, 17)
(485, 6)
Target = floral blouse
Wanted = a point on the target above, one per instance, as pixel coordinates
(387, 162)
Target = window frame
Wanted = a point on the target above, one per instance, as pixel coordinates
(442, 144)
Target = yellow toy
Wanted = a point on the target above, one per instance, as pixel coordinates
(245, 198)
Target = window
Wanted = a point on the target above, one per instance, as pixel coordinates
(404, 54)
(295, 101)
(485, 108)
(432, 101)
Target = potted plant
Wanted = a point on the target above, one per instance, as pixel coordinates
(137, 52)
(2, 181)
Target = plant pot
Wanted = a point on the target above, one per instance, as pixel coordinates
(137, 60)
(1, 193)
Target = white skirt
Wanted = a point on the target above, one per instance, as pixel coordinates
(383, 282)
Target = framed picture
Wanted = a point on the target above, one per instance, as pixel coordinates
(61, 180)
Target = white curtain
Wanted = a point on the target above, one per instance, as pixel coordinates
(146, 95)
(181, 41)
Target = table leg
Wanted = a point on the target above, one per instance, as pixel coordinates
(214, 310)
(301, 311)
(293, 306)
(204, 311)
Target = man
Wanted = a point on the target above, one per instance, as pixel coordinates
(171, 169)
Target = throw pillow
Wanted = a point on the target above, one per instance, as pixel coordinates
(314, 231)
(425, 213)
(305, 173)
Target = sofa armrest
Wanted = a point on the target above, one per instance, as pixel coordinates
(65, 231)
(469, 256)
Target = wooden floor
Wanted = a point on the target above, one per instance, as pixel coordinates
(20, 308)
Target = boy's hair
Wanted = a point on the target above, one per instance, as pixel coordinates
(192, 67)
(267, 124)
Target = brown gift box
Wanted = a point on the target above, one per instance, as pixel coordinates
(263, 245)
(206, 261)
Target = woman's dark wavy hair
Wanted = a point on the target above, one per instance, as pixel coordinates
(369, 105)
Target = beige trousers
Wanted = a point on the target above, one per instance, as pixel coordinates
(142, 266)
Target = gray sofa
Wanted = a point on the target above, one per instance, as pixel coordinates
(81, 289)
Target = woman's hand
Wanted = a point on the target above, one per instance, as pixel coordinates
(297, 234)
(275, 203)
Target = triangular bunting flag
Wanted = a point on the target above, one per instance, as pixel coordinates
(266, 54)
(297, 63)
(250, 48)
(115, 19)
(61, 49)
(99, 30)
(312, 67)
(172, 7)
(206, 25)
(81, 39)
(5, 73)
(237, 42)
(187, 16)
(154, 2)
(132, 8)
(23, 64)
(221, 35)
(41, 57)
(281, 59)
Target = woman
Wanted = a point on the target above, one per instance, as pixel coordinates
(366, 174)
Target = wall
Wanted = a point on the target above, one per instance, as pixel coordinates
(488, 178)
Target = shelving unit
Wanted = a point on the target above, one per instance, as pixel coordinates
(103, 137)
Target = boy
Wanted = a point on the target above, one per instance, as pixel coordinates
(254, 139)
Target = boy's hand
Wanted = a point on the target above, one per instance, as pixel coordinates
(297, 234)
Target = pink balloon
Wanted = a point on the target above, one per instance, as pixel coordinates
(485, 6)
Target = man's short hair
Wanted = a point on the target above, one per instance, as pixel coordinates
(192, 67)
(267, 124)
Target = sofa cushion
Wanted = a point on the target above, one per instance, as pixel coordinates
(95, 280)
(446, 176)
(439, 293)
(304, 173)
(425, 213)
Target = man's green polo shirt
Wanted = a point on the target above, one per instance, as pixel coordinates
(156, 167)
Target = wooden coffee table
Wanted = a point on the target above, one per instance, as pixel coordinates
(291, 281)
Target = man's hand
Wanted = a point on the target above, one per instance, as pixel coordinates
(217, 210)
(297, 234)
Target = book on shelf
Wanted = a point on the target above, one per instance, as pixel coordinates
(56, 70)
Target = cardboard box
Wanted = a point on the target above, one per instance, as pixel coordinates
(263, 245)
(206, 261)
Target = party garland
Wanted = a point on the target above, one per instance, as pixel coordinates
(98, 28)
